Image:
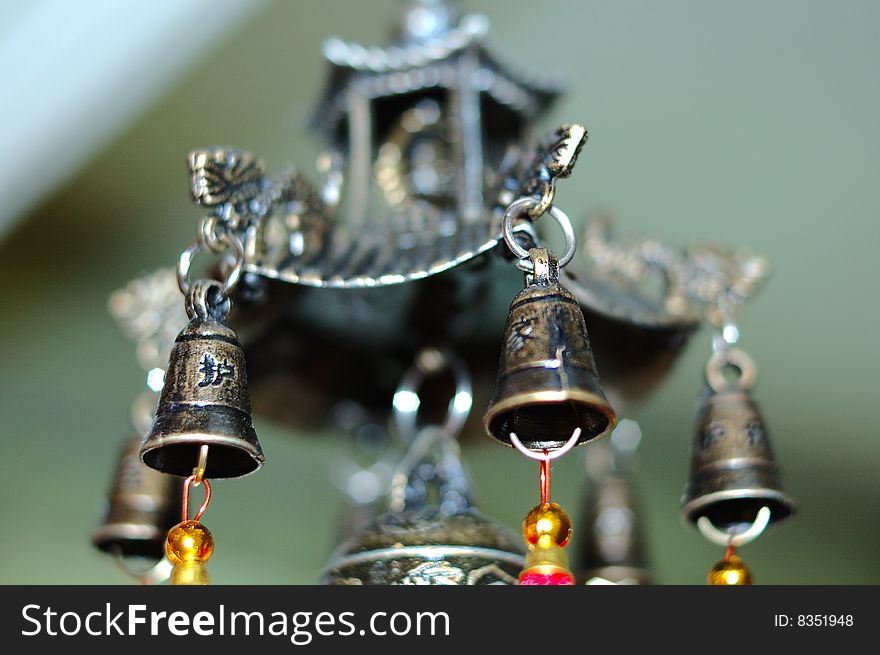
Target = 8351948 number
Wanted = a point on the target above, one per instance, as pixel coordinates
(824, 620)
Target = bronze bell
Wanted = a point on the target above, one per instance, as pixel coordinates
(205, 401)
(141, 507)
(547, 383)
(425, 546)
(430, 534)
(611, 546)
(733, 471)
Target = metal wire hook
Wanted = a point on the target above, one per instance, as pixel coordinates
(545, 457)
(722, 538)
(186, 485)
(199, 470)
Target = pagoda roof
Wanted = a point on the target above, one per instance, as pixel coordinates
(406, 68)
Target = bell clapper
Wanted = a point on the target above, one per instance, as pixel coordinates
(731, 570)
(547, 527)
(190, 544)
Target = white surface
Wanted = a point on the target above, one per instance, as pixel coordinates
(74, 73)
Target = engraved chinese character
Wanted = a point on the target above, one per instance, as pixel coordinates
(214, 373)
(520, 334)
(755, 430)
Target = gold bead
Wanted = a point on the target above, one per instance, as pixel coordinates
(730, 571)
(190, 573)
(546, 566)
(189, 541)
(547, 525)
(550, 556)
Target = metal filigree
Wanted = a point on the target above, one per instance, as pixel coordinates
(649, 282)
(225, 176)
(150, 311)
(554, 158)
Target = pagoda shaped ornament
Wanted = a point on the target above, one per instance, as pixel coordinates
(425, 214)
(422, 155)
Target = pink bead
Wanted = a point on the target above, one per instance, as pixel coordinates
(557, 578)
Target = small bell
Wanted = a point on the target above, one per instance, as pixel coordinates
(547, 383)
(142, 506)
(733, 472)
(612, 549)
(205, 399)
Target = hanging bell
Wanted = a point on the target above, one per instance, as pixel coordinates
(205, 399)
(733, 472)
(612, 548)
(425, 546)
(141, 507)
(431, 534)
(547, 383)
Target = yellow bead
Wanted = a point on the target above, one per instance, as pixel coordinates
(730, 571)
(189, 541)
(547, 525)
(190, 573)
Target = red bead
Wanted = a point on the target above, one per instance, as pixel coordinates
(536, 578)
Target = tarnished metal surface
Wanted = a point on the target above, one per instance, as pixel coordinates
(547, 382)
(733, 471)
(425, 546)
(140, 508)
(205, 400)
(426, 146)
(611, 538)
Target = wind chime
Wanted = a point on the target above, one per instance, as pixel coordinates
(354, 294)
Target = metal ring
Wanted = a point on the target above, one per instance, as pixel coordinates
(520, 208)
(736, 539)
(232, 278)
(730, 357)
(545, 455)
(214, 239)
(406, 398)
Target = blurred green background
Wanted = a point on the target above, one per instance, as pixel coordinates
(746, 123)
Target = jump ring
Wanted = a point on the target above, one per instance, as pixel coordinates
(232, 278)
(520, 208)
(730, 357)
(209, 236)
